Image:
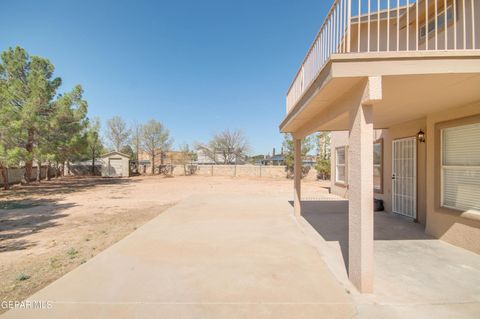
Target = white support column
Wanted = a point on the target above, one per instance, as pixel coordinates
(360, 184)
(297, 171)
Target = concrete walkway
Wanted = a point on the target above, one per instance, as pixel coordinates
(218, 256)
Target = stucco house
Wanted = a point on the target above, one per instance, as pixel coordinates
(400, 87)
(203, 158)
(161, 158)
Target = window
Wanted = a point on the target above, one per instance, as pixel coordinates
(340, 165)
(440, 22)
(378, 166)
(460, 167)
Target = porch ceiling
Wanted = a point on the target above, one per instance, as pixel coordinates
(407, 98)
(411, 89)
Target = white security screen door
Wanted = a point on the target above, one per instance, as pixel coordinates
(404, 177)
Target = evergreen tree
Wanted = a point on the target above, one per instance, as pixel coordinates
(30, 89)
(288, 146)
(68, 126)
(94, 145)
(35, 124)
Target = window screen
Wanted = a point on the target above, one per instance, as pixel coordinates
(460, 175)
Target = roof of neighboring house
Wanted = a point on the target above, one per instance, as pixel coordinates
(383, 14)
(278, 157)
(115, 153)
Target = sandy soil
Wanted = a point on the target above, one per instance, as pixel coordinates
(49, 229)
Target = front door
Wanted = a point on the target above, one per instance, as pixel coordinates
(404, 177)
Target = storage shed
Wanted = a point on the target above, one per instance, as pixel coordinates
(115, 164)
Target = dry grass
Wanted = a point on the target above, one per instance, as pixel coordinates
(45, 233)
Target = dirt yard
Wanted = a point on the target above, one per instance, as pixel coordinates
(49, 229)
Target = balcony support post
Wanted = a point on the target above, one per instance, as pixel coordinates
(297, 176)
(360, 187)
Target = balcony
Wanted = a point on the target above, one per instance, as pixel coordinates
(355, 28)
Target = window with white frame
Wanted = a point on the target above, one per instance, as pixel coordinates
(440, 22)
(378, 166)
(340, 165)
(460, 167)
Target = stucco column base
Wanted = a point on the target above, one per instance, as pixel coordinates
(297, 179)
(360, 205)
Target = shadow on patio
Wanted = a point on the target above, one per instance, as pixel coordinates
(330, 219)
(414, 272)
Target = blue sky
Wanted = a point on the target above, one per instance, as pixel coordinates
(196, 66)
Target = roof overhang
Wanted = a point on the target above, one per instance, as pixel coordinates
(109, 154)
(414, 84)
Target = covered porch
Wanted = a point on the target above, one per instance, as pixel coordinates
(393, 90)
(415, 274)
(371, 67)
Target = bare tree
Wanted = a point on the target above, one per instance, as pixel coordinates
(323, 144)
(226, 147)
(322, 164)
(155, 140)
(136, 139)
(186, 159)
(118, 132)
(289, 157)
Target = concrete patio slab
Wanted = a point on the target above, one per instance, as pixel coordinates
(210, 256)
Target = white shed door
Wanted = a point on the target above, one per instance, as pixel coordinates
(115, 167)
(404, 177)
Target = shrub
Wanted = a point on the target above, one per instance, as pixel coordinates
(291, 173)
(72, 252)
(22, 277)
(323, 168)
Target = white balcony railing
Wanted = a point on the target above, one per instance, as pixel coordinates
(354, 26)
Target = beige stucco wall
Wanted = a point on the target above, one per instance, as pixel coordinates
(448, 225)
(247, 170)
(15, 175)
(403, 130)
(204, 170)
(270, 171)
(223, 170)
(455, 227)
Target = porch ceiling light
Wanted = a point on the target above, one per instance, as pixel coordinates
(421, 136)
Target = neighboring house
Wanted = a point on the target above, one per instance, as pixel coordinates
(204, 159)
(167, 158)
(309, 160)
(145, 158)
(115, 164)
(174, 157)
(276, 160)
(420, 87)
